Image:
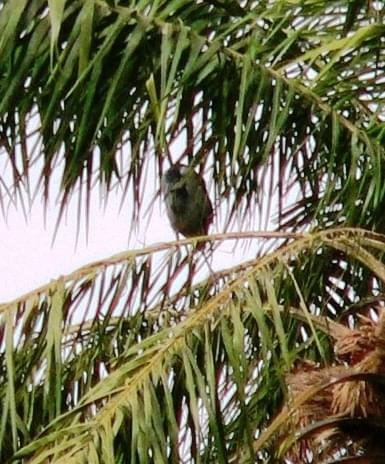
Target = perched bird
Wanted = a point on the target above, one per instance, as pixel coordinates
(188, 205)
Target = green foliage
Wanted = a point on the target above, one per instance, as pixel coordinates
(301, 81)
(192, 376)
(133, 359)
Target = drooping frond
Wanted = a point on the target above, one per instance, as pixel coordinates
(271, 97)
(111, 363)
(150, 356)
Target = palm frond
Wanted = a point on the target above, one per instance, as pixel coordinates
(107, 85)
(94, 367)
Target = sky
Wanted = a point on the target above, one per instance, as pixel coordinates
(29, 257)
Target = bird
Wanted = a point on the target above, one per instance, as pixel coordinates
(188, 205)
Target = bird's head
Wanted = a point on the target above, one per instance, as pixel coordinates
(174, 174)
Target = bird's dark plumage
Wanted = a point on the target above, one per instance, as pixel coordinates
(188, 205)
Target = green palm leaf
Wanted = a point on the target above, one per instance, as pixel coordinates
(150, 355)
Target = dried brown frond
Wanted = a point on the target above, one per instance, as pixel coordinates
(304, 376)
(363, 351)
(354, 346)
(363, 348)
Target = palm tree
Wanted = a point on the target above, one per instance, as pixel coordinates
(150, 355)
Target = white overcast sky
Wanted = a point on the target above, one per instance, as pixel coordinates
(29, 259)
(28, 256)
